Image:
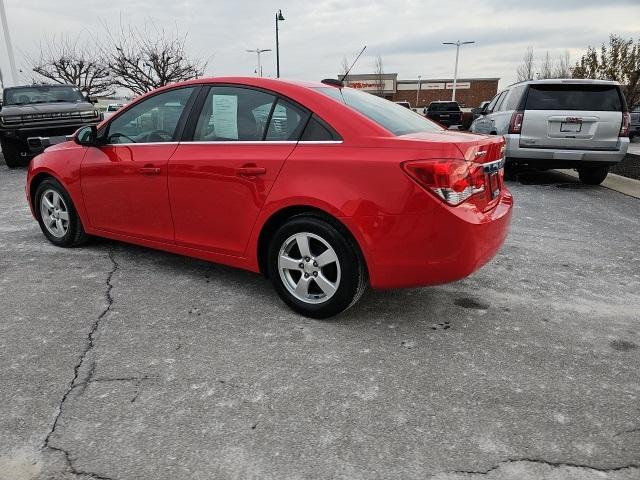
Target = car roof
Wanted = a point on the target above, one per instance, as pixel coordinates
(576, 81)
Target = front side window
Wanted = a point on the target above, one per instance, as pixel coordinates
(234, 114)
(395, 118)
(152, 120)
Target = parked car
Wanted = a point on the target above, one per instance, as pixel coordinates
(404, 103)
(581, 124)
(346, 189)
(40, 110)
(112, 108)
(634, 127)
(445, 113)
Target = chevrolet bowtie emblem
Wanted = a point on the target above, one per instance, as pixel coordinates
(479, 154)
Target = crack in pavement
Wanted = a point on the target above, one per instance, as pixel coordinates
(544, 462)
(76, 372)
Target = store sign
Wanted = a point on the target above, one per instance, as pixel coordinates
(371, 85)
(432, 86)
(459, 86)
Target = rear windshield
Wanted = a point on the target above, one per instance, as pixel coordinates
(444, 107)
(395, 118)
(600, 98)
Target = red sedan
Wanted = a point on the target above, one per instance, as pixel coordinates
(323, 189)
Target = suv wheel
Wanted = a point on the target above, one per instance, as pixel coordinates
(10, 153)
(316, 269)
(57, 215)
(593, 175)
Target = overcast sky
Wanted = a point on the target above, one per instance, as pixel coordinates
(318, 33)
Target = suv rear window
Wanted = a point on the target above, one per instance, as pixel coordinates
(444, 107)
(599, 98)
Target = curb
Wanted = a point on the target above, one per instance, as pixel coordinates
(618, 183)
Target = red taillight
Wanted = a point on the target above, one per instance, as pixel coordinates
(453, 181)
(515, 126)
(626, 124)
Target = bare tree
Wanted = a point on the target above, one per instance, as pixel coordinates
(619, 60)
(546, 67)
(379, 76)
(142, 60)
(344, 66)
(562, 67)
(526, 70)
(76, 62)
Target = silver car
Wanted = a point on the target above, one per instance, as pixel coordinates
(581, 124)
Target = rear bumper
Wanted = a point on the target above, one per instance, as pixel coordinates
(443, 246)
(557, 157)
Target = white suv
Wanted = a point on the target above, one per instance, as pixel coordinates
(581, 124)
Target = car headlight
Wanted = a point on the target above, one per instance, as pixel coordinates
(89, 114)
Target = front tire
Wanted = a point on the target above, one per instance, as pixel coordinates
(10, 153)
(316, 268)
(593, 175)
(57, 216)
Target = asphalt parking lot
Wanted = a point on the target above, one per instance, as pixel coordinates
(120, 362)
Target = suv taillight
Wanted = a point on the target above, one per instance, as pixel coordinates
(626, 123)
(515, 125)
(453, 181)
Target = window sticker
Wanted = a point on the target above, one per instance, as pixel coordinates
(225, 116)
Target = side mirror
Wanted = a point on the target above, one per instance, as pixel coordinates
(86, 136)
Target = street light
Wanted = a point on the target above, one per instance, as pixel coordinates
(259, 51)
(279, 18)
(455, 74)
(7, 41)
(418, 92)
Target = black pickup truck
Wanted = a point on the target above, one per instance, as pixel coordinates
(41, 111)
(445, 113)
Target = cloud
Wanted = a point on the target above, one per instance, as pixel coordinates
(318, 33)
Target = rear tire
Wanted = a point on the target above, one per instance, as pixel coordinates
(593, 175)
(10, 153)
(316, 269)
(57, 216)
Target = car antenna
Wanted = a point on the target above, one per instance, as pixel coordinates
(340, 83)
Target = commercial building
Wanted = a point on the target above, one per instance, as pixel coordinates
(470, 92)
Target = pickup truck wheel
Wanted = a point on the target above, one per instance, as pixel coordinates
(315, 268)
(57, 216)
(11, 153)
(593, 175)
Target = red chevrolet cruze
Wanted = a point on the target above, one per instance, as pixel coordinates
(323, 189)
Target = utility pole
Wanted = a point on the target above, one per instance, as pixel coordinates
(259, 51)
(279, 18)
(455, 73)
(7, 41)
(418, 92)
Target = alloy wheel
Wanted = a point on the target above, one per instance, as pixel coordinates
(309, 268)
(54, 213)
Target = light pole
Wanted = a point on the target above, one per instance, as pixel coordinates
(455, 73)
(7, 40)
(279, 18)
(418, 92)
(259, 51)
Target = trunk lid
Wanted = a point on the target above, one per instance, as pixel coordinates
(572, 116)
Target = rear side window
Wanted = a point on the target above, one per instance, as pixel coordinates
(287, 121)
(317, 131)
(599, 98)
(513, 100)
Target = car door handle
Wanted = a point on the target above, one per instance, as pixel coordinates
(250, 171)
(149, 170)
